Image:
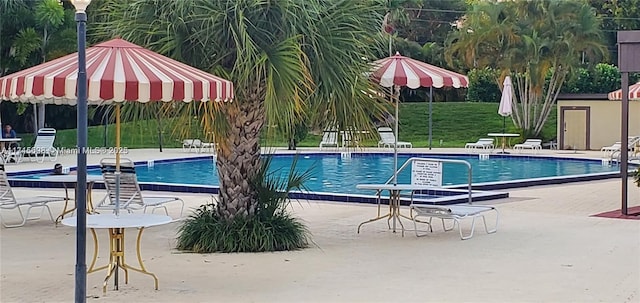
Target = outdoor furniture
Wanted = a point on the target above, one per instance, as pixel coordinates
(72, 181)
(456, 213)
(532, 144)
(503, 137)
(607, 151)
(388, 139)
(197, 145)
(8, 201)
(394, 201)
(43, 147)
(329, 138)
(131, 198)
(9, 154)
(116, 226)
(351, 137)
(483, 143)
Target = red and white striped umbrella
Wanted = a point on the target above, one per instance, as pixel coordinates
(634, 93)
(403, 71)
(397, 71)
(117, 71)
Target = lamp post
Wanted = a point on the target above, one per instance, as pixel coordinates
(81, 197)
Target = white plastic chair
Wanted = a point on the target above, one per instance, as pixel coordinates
(388, 139)
(43, 147)
(607, 151)
(9, 202)
(483, 143)
(329, 138)
(533, 144)
(456, 213)
(131, 198)
(197, 145)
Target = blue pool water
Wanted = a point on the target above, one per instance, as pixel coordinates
(332, 173)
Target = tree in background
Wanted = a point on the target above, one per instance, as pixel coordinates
(34, 32)
(617, 15)
(529, 40)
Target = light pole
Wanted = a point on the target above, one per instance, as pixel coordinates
(81, 196)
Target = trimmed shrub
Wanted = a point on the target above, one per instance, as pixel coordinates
(271, 228)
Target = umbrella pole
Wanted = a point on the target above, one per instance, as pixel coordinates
(430, 114)
(395, 144)
(117, 173)
(504, 124)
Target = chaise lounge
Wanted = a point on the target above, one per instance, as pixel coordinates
(532, 144)
(8, 201)
(388, 139)
(483, 143)
(456, 213)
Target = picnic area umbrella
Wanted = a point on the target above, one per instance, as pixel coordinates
(506, 102)
(397, 71)
(117, 71)
(634, 93)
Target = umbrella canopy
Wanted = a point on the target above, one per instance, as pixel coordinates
(634, 93)
(506, 101)
(117, 71)
(397, 71)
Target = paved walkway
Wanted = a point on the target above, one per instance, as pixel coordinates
(547, 249)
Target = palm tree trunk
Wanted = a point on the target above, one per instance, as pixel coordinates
(239, 159)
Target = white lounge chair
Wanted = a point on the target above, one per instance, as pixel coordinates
(329, 138)
(11, 155)
(43, 147)
(533, 144)
(9, 202)
(456, 213)
(483, 143)
(607, 151)
(131, 198)
(388, 139)
(350, 138)
(197, 145)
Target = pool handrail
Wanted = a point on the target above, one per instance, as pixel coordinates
(410, 161)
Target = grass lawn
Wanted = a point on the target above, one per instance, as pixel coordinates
(454, 124)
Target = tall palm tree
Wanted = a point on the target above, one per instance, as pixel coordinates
(287, 58)
(530, 40)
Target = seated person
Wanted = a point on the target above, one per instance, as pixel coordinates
(57, 170)
(9, 133)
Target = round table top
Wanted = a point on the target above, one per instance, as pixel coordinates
(10, 139)
(121, 221)
(70, 178)
(503, 135)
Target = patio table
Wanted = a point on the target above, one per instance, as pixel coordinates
(394, 201)
(72, 180)
(116, 225)
(504, 137)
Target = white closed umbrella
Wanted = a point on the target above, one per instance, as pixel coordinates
(506, 102)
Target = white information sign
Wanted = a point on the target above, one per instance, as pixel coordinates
(427, 173)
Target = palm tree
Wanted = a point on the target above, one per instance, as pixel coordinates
(288, 59)
(34, 32)
(532, 41)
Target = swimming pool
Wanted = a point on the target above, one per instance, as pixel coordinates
(333, 173)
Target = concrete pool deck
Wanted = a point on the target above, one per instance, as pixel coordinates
(547, 249)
